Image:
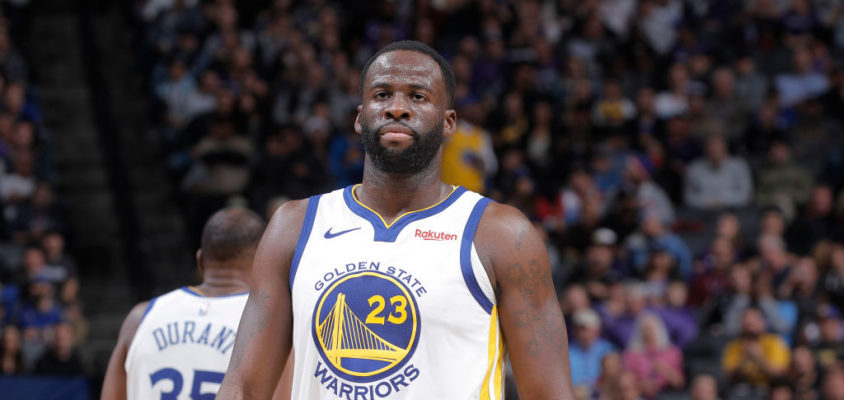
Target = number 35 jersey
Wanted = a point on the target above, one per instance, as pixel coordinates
(393, 311)
(183, 345)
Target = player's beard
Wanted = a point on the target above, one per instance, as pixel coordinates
(410, 160)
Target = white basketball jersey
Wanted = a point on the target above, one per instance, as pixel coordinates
(182, 346)
(399, 311)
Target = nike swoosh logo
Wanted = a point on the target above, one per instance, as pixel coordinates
(329, 235)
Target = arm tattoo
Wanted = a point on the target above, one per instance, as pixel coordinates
(540, 321)
(254, 321)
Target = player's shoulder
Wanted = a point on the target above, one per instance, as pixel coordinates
(133, 320)
(500, 221)
(288, 217)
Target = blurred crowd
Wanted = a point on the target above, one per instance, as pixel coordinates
(41, 321)
(683, 159)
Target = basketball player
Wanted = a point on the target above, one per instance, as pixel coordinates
(177, 346)
(402, 287)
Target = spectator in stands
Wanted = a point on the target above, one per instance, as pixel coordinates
(175, 90)
(650, 196)
(627, 388)
(772, 222)
(579, 191)
(803, 373)
(832, 265)
(573, 299)
(801, 286)
(751, 86)
(804, 82)
(704, 387)
(468, 157)
(600, 267)
(35, 268)
(757, 294)
(829, 351)
(611, 369)
(719, 180)
(612, 110)
(38, 216)
(540, 139)
(621, 311)
(832, 386)
(781, 390)
(57, 259)
(222, 161)
(782, 180)
(726, 105)
(18, 185)
(652, 236)
(63, 358)
(653, 360)
(773, 262)
(755, 357)
(680, 319)
(660, 269)
(815, 223)
(766, 127)
(41, 313)
(729, 227)
(587, 348)
(11, 357)
(674, 101)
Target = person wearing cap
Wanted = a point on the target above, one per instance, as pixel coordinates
(600, 266)
(587, 348)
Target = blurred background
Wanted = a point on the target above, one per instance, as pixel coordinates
(683, 159)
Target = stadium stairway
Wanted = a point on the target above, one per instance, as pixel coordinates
(127, 234)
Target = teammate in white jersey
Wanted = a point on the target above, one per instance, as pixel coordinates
(177, 345)
(402, 287)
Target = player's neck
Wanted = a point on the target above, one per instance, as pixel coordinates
(391, 195)
(222, 282)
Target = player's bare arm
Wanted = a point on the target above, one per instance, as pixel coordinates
(114, 385)
(264, 334)
(530, 316)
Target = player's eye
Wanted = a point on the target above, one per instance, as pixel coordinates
(418, 97)
(381, 95)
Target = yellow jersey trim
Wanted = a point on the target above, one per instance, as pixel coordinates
(383, 221)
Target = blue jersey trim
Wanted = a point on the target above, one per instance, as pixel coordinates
(307, 225)
(149, 308)
(189, 290)
(466, 255)
(389, 234)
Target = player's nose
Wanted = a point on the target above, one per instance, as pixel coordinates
(398, 108)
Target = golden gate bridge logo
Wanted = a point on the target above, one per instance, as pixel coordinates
(353, 339)
(375, 345)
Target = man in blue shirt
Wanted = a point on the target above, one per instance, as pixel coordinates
(587, 348)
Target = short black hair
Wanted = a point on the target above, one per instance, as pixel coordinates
(230, 232)
(419, 47)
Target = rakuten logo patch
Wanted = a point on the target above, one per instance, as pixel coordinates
(431, 235)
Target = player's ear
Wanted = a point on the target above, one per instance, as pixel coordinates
(357, 120)
(450, 122)
(199, 262)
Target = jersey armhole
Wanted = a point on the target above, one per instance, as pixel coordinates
(307, 225)
(130, 350)
(147, 309)
(469, 259)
